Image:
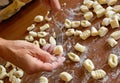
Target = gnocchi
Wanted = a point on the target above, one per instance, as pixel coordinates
(85, 34)
(18, 74)
(73, 57)
(52, 41)
(77, 33)
(48, 18)
(106, 21)
(88, 3)
(31, 27)
(42, 34)
(113, 60)
(29, 38)
(115, 35)
(38, 18)
(88, 15)
(75, 24)
(58, 50)
(42, 41)
(70, 32)
(116, 8)
(2, 69)
(94, 31)
(44, 27)
(84, 8)
(109, 13)
(88, 64)
(66, 76)
(85, 23)
(1, 81)
(43, 79)
(36, 43)
(32, 33)
(102, 31)
(112, 42)
(111, 2)
(98, 74)
(13, 79)
(3, 75)
(67, 23)
(102, 1)
(114, 23)
(79, 47)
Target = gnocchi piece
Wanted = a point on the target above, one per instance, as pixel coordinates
(70, 32)
(77, 33)
(73, 57)
(88, 3)
(94, 31)
(100, 12)
(114, 23)
(58, 50)
(54, 35)
(88, 64)
(18, 74)
(29, 38)
(98, 9)
(3, 75)
(85, 34)
(52, 41)
(8, 64)
(42, 34)
(112, 42)
(80, 47)
(85, 23)
(116, 8)
(102, 1)
(2, 69)
(33, 33)
(65, 76)
(98, 74)
(46, 16)
(44, 27)
(109, 8)
(115, 35)
(75, 24)
(42, 41)
(84, 8)
(102, 31)
(43, 79)
(36, 43)
(10, 74)
(88, 15)
(106, 21)
(113, 60)
(13, 79)
(67, 23)
(109, 13)
(111, 2)
(31, 27)
(1, 81)
(38, 18)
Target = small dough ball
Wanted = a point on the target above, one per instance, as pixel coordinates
(58, 50)
(38, 18)
(66, 76)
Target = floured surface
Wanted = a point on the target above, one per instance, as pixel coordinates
(97, 50)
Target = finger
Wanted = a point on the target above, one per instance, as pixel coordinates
(51, 48)
(55, 5)
(46, 47)
(53, 65)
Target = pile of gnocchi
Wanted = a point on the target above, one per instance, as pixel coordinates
(89, 8)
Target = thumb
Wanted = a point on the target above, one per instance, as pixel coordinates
(55, 5)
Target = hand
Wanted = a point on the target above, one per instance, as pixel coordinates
(29, 57)
(54, 4)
